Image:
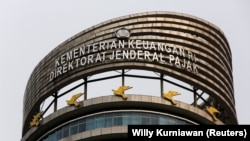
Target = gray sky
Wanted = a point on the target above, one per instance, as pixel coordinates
(29, 30)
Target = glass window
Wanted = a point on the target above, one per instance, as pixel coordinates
(82, 127)
(52, 137)
(66, 131)
(108, 121)
(154, 120)
(59, 134)
(145, 114)
(118, 114)
(74, 123)
(145, 120)
(74, 128)
(112, 119)
(163, 121)
(172, 121)
(125, 114)
(135, 118)
(99, 121)
(117, 121)
(126, 120)
(82, 121)
(109, 115)
(90, 124)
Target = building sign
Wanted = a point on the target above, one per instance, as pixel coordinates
(119, 50)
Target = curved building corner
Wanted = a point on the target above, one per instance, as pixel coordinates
(188, 60)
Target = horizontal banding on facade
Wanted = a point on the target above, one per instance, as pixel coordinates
(106, 104)
(153, 35)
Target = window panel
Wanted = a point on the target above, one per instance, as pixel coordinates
(82, 127)
(112, 119)
(90, 123)
(65, 131)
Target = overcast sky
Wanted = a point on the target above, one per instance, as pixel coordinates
(29, 30)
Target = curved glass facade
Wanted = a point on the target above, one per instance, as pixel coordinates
(112, 119)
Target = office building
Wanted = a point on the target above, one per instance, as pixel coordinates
(157, 67)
